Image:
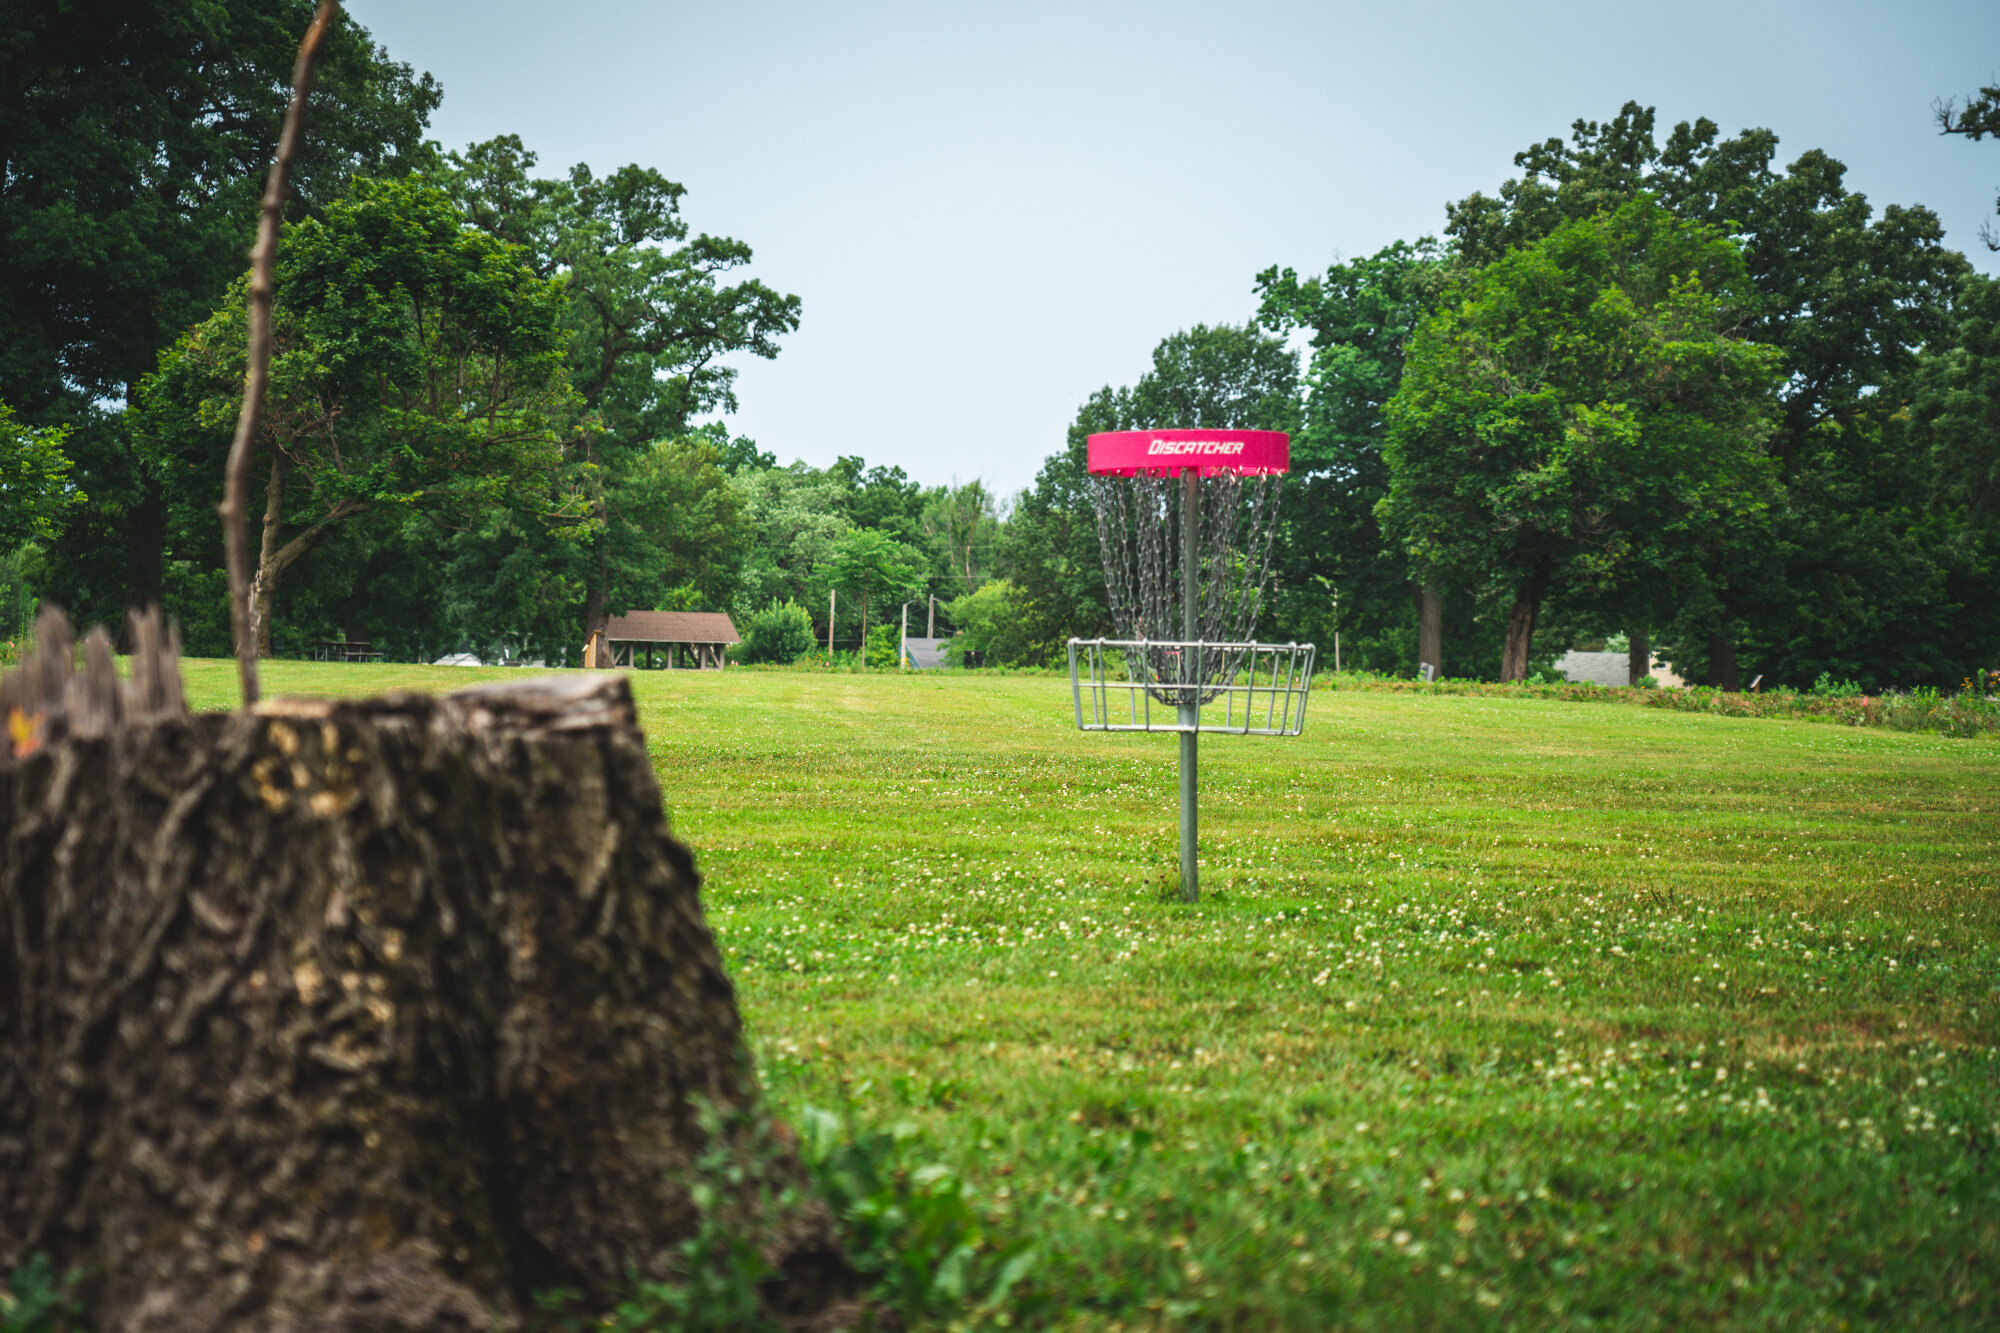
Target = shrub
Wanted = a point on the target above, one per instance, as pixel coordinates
(989, 622)
(1827, 688)
(782, 632)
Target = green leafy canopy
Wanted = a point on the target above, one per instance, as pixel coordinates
(1586, 414)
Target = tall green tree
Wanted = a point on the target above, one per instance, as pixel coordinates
(678, 533)
(1947, 623)
(1956, 408)
(649, 316)
(1848, 298)
(1361, 315)
(1585, 417)
(872, 567)
(797, 517)
(417, 369)
(133, 145)
(964, 523)
(513, 582)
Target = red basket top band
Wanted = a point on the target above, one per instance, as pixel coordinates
(1246, 453)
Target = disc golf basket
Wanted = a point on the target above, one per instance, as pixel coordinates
(1184, 520)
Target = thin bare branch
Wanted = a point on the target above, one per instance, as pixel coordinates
(263, 283)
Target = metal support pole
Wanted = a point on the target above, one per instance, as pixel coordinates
(1190, 707)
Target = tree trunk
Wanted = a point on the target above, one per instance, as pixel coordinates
(1430, 627)
(145, 543)
(596, 621)
(1521, 629)
(145, 548)
(1638, 656)
(264, 583)
(1722, 658)
(597, 595)
(274, 559)
(367, 1015)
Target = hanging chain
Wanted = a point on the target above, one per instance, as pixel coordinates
(1139, 529)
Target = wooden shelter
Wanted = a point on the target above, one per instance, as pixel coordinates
(692, 639)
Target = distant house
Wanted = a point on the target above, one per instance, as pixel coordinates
(692, 639)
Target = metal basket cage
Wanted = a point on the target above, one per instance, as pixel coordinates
(1259, 688)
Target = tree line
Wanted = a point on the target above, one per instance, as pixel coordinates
(1672, 391)
(490, 423)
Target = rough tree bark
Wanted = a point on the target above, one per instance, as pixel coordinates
(1638, 656)
(1430, 626)
(378, 1014)
(1722, 673)
(145, 547)
(1521, 626)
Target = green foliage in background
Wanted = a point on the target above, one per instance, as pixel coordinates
(781, 633)
(871, 569)
(1333, 571)
(137, 139)
(35, 485)
(1585, 418)
(416, 374)
(1853, 571)
(991, 629)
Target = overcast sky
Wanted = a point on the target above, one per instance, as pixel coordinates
(990, 211)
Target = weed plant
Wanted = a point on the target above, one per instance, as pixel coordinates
(36, 1299)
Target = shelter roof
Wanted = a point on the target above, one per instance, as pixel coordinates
(673, 627)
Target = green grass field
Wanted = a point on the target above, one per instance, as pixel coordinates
(1495, 1013)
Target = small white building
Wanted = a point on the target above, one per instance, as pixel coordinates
(1609, 669)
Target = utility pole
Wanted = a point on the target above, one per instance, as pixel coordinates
(831, 596)
(1190, 692)
(903, 642)
(1336, 631)
(930, 629)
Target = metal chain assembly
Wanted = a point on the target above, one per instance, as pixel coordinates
(1142, 535)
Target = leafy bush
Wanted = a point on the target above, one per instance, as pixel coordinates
(990, 623)
(782, 632)
(1826, 688)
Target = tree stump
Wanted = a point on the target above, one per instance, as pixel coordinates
(380, 1014)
